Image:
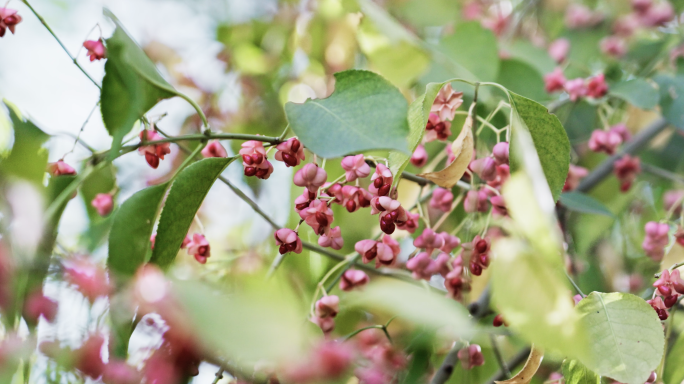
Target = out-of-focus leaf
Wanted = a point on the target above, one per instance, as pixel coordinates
(674, 369)
(96, 234)
(414, 304)
(131, 85)
(102, 180)
(28, 158)
(538, 58)
(580, 202)
(576, 373)
(522, 78)
(672, 98)
(531, 367)
(628, 339)
(534, 297)
(259, 323)
(638, 92)
(129, 239)
(418, 114)
(585, 49)
(550, 141)
(185, 197)
(474, 48)
(385, 22)
(413, 63)
(425, 13)
(365, 112)
(462, 148)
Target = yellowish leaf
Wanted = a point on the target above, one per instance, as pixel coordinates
(531, 366)
(462, 149)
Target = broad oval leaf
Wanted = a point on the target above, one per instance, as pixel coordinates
(28, 158)
(414, 304)
(638, 92)
(581, 202)
(185, 197)
(129, 239)
(576, 373)
(533, 296)
(131, 85)
(521, 77)
(261, 322)
(462, 148)
(550, 141)
(474, 49)
(628, 337)
(364, 112)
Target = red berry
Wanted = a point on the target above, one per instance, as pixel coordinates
(498, 321)
(377, 183)
(295, 145)
(665, 290)
(670, 301)
(247, 159)
(152, 160)
(384, 190)
(662, 314)
(475, 269)
(250, 171)
(289, 159)
(484, 260)
(481, 246)
(351, 206)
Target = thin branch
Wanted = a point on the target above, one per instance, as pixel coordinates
(652, 169)
(73, 59)
(448, 365)
(604, 169)
(513, 362)
(499, 358)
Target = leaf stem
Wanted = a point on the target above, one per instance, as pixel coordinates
(73, 59)
(197, 109)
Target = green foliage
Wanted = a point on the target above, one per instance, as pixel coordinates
(580, 202)
(129, 239)
(418, 114)
(262, 322)
(474, 50)
(429, 12)
(671, 102)
(131, 86)
(102, 180)
(522, 78)
(28, 158)
(638, 92)
(674, 369)
(185, 197)
(528, 284)
(414, 304)
(532, 55)
(576, 373)
(365, 112)
(627, 336)
(550, 141)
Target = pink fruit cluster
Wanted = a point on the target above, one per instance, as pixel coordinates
(155, 152)
(8, 20)
(656, 240)
(626, 170)
(594, 87)
(668, 289)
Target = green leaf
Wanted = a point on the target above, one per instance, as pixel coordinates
(674, 369)
(365, 112)
(628, 337)
(131, 85)
(550, 141)
(474, 49)
(414, 304)
(576, 373)
(638, 92)
(28, 158)
(102, 180)
(129, 239)
(671, 100)
(426, 13)
(580, 202)
(418, 114)
(260, 322)
(533, 296)
(185, 197)
(522, 78)
(538, 58)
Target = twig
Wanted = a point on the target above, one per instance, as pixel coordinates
(219, 376)
(499, 358)
(448, 365)
(637, 143)
(73, 59)
(514, 361)
(421, 180)
(662, 173)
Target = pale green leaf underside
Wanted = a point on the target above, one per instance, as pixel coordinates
(627, 337)
(365, 112)
(638, 92)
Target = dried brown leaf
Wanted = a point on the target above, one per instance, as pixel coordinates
(462, 148)
(531, 366)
